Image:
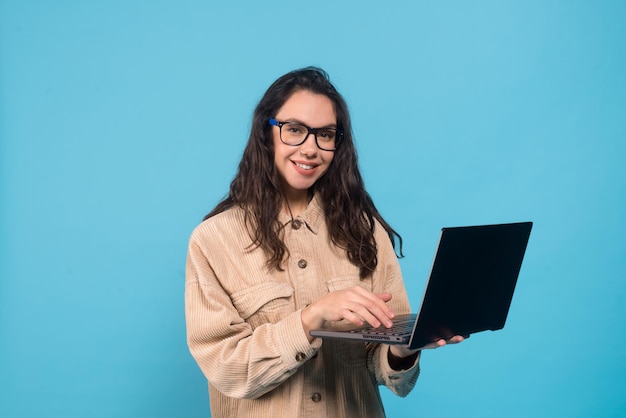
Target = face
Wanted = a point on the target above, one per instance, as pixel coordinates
(302, 165)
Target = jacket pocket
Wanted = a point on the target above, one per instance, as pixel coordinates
(346, 282)
(264, 302)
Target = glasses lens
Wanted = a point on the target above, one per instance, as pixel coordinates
(326, 138)
(293, 133)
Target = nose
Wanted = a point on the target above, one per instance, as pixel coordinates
(309, 146)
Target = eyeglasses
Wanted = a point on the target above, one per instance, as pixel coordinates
(292, 133)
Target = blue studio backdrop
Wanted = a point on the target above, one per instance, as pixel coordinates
(122, 123)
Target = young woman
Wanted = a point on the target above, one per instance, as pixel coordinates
(296, 243)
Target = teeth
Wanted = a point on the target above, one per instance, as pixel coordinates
(305, 167)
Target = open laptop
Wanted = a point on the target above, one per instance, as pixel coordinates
(469, 289)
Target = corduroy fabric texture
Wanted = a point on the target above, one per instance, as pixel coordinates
(245, 332)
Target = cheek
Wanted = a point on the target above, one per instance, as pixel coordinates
(280, 153)
(275, 138)
(276, 148)
(328, 157)
(326, 165)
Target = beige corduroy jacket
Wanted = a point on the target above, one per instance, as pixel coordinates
(245, 332)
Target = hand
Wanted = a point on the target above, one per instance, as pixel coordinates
(440, 343)
(403, 351)
(356, 305)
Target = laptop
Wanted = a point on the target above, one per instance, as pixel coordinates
(469, 290)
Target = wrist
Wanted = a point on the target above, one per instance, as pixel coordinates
(400, 358)
(310, 321)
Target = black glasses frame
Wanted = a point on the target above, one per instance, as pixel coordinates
(314, 131)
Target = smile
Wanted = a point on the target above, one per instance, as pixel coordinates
(304, 166)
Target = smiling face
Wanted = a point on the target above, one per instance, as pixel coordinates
(302, 165)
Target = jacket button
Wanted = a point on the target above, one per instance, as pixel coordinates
(300, 357)
(302, 264)
(296, 224)
(316, 397)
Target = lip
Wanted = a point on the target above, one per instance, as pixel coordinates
(304, 171)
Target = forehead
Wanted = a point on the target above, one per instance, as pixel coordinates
(309, 108)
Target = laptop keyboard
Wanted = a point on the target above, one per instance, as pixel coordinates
(398, 328)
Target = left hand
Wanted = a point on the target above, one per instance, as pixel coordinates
(402, 351)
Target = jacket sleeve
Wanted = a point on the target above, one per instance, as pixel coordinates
(389, 279)
(238, 361)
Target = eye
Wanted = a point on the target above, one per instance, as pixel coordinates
(326, 134)
(295, 129)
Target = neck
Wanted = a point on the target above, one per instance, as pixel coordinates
(296, 202)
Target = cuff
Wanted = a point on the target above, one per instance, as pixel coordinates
(293, 343)
(399, 382)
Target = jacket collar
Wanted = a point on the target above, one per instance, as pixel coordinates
(311, 216)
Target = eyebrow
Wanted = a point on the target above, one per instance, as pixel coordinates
(299, 122)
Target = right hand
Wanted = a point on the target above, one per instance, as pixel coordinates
(356, 305)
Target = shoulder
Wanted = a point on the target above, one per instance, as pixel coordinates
(230, 223)
(380, 233)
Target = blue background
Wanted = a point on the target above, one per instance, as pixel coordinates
(122, 123)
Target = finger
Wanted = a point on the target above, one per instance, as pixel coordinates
(365, 314)
(455, 340)
(374, 312)
(352, 317)
(436, 344)
(385, 297)
(441, 342)
(375, 304)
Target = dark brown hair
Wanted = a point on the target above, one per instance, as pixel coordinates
(257, 188)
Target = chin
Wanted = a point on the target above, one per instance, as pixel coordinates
(301, 185)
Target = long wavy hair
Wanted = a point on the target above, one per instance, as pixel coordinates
(256, 188)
